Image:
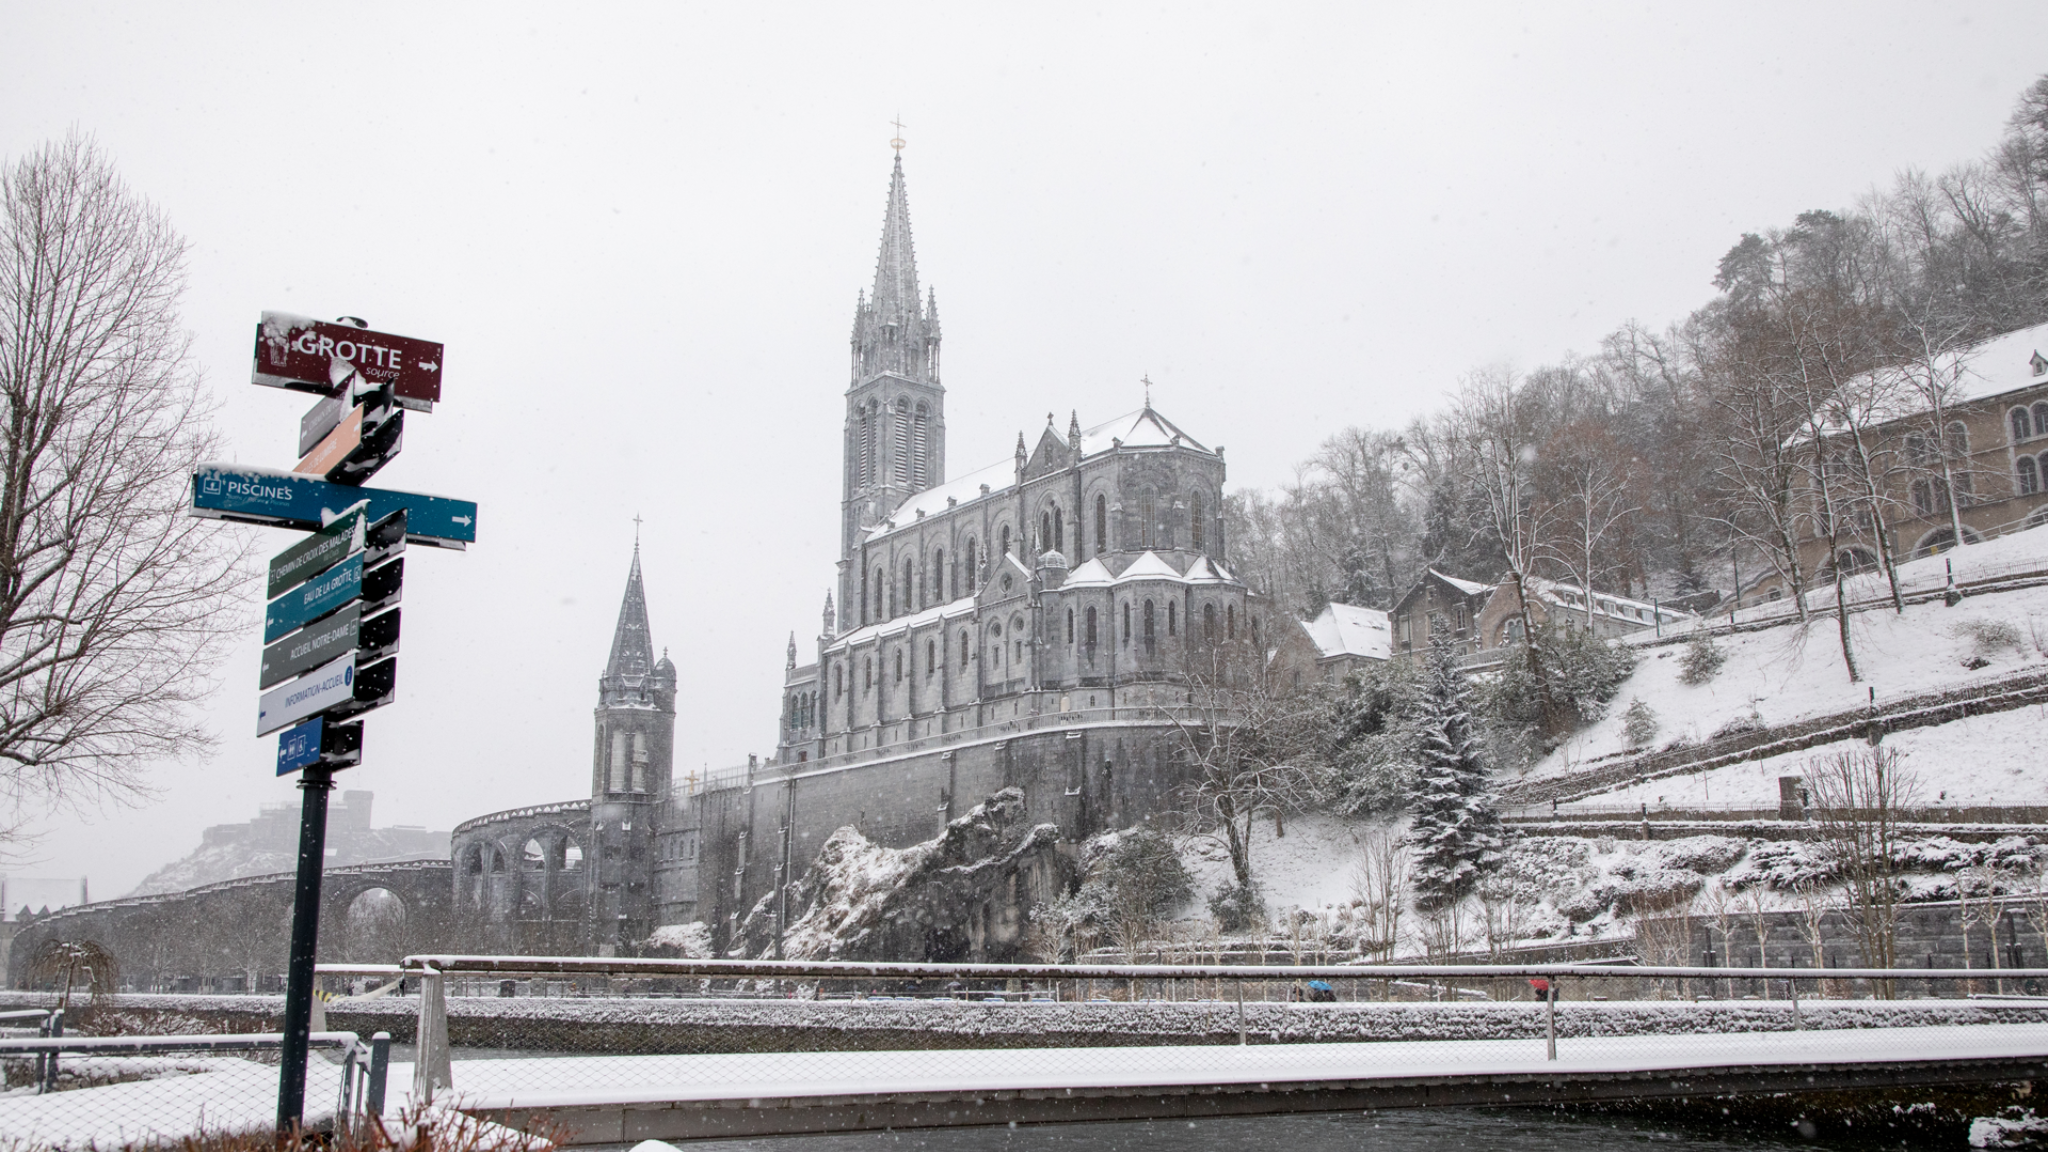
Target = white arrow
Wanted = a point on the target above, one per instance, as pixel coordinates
(463, 520)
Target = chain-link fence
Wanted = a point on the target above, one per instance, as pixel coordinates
(107, 1092)
(514, 1037)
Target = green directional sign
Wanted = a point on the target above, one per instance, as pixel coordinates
(317, 553)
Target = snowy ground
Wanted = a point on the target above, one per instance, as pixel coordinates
(235, 1095)
(1310, 867)
(1789, 673)
(1980, 760)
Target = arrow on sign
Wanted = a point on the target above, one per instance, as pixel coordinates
(286, 499)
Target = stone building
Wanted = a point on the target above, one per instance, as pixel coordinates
(1567, 605)
(1025, 626)
(1438, 601)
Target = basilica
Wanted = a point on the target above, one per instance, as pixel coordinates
(1030, 625)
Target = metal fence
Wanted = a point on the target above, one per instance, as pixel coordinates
(72, 1092)
(563, 1033)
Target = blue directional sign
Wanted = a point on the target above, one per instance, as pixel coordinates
(299, 746)
(268, 496)
(327, 592)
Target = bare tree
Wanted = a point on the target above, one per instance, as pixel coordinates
(1858, 797)
(113, 601)
(1588, 479)
(1379, 880)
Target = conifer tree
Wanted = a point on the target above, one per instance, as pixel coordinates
(1456, 834)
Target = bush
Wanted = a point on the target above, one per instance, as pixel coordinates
(1703, 658)
(1372, 748)
(1583, 671)
(1237, 908)
(1639, 724)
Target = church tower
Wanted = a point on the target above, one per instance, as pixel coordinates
(630, 771)
(895, 406)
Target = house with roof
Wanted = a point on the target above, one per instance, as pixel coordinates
(1344, 638)
(1955, 446)
(1438, 600)
(1566, 605)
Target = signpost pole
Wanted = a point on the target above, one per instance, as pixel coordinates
(315, 781)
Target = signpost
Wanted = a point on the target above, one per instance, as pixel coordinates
(330, 629)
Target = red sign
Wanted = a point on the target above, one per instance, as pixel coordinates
(309, 355)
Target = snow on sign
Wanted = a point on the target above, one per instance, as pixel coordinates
(319, 742)
(303, 354)
(285, 499)
(343, 537)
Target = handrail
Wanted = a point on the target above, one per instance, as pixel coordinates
(846, 969)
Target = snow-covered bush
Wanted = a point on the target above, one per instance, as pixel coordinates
(1581, 673)
(1456, 833)
(1990, 637)
(1236, 908)
(1707, 855)
(1703, 658)
(1639, 724)
(1372, 747)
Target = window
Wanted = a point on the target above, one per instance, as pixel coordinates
(868, 674)
(879, 583)
(1006, 541)
(864, 469)
(899, 665)
(1127, 623)
(1045, 531)
(1089, 633)
(973, 573)
(1070, 625)
(1923, 497)
(1956, 441)
(931, 659)
(1169, 617)
(2041, 418)
(838, 681)
(964, 657)
(1195, 536)
(909, 585)
(920, 439)
(2020, 426)
(1145, 519)
(1230, 622)
(1256, 644)
(1151, 633)
(939, 576)
(902, 441)
(1101, 525)
(1208, 622)
(1059, 530)
(1920, 450)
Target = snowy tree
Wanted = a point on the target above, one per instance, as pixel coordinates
(1456, 834)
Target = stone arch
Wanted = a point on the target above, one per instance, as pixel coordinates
(1941, 540)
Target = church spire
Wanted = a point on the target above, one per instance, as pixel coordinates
(632, 642)
(895, 292)
(896, 330)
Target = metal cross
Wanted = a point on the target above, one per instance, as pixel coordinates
(1147, 378)
(897, 143)
(636, 529)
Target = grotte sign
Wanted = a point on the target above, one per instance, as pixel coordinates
(304, 354)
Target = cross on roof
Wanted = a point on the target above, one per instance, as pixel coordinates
(897, 142)
(1147, 379)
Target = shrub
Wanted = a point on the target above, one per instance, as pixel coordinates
(1703, 658)
(1583, 673)
(1639, 724)
(1237, 908)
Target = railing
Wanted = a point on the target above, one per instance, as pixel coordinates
(755, 1029)
(114, 1091)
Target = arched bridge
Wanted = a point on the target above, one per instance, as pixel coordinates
(235, 934)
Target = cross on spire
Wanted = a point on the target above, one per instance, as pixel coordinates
(897, 141)
(636, 530)
(1147, 380)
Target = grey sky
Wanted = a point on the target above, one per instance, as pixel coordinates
(640, 230)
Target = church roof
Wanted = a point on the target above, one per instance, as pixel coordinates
(632, 641)
(1149, 567)
(1144, 428)
(1092, 573)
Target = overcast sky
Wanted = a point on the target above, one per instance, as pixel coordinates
(640, 231)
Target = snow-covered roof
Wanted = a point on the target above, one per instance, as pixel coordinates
(1148, 566)
(1092, 573)
(2004, 363)
(1468, 587)
(964, 606)
(1144, 428)
(1572, 598)
(1345, 630)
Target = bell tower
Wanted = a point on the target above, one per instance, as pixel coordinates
(630, 770)
(895, 406)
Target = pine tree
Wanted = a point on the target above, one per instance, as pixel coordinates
(1456, 834)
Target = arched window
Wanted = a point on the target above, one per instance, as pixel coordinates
(838, 681)
(1230, 622)
(1006, 541)
(939, 577)
(1070, 625)
(1195, 534)
(899, 665)
(973, 574)
(1127, 623)
(1151, 631)
(909, 582)
(864, 468)
(1045, 530)
(881, 582)
(1208, 622)
(1059, 530)
(2030, 478)
(1170, 606)
(931, 659)
(1101, 524)
(920, 449)
(964, 657)
(868, 674)
(1923, 497)
(2041, 418)
(1920, 450)
(902, 441)
(1956, 440)
(1088, 633)
(1145, 519)
(2021, 428)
